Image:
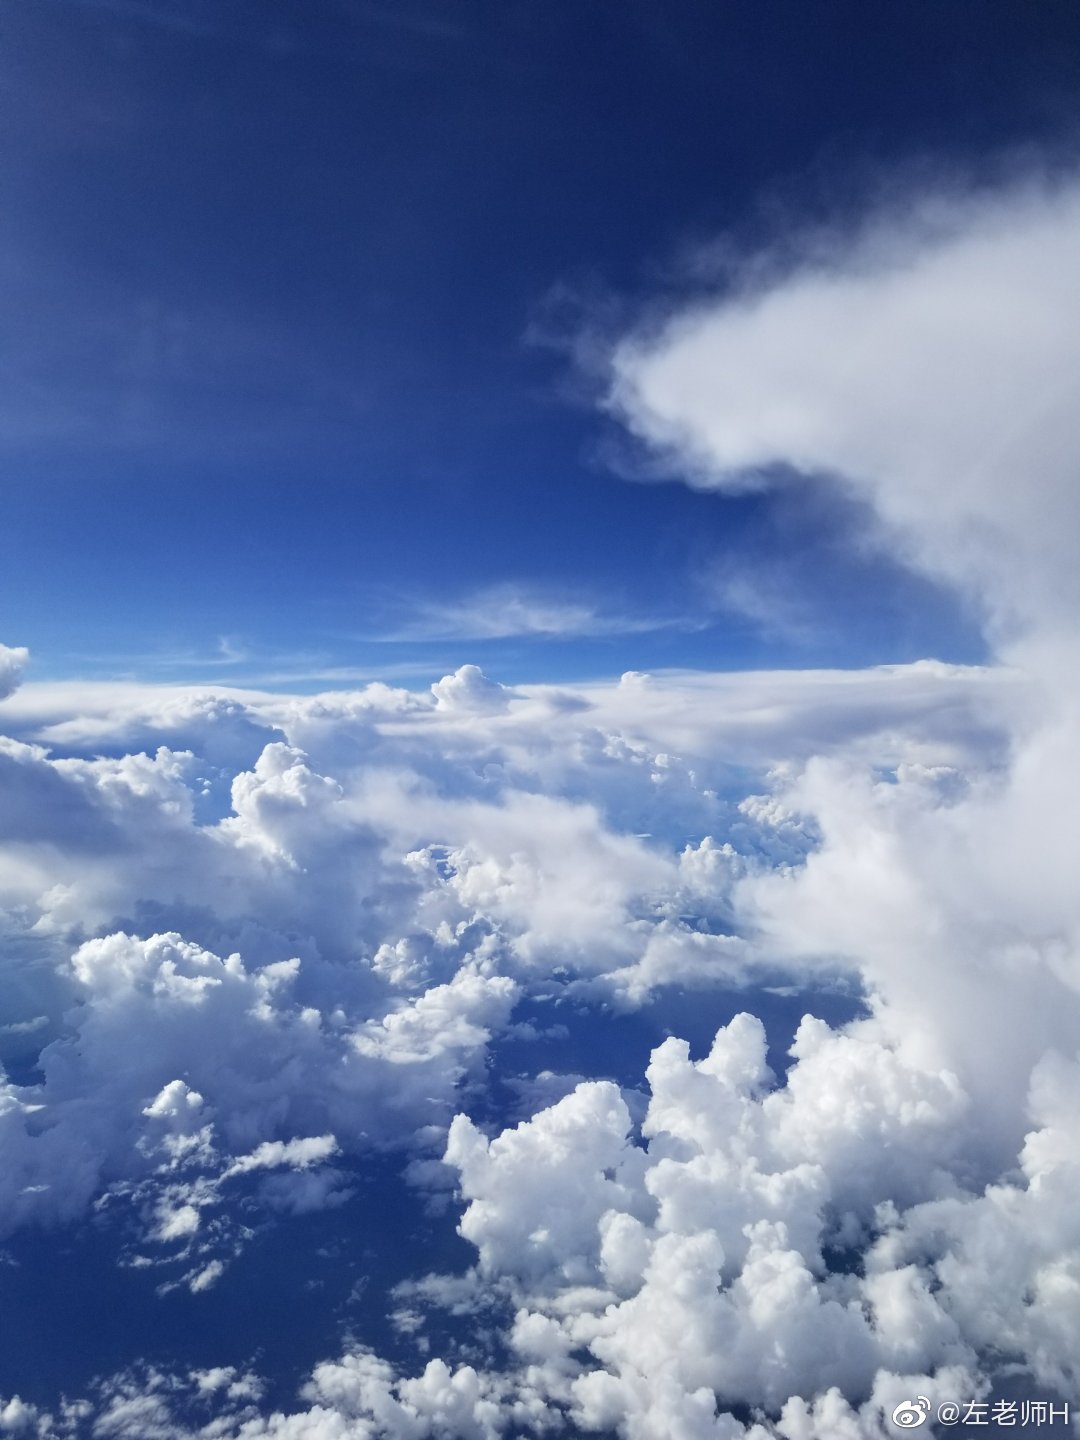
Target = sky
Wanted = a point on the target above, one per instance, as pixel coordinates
(537, 719)
(298, 301)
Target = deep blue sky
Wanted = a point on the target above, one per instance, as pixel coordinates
(273, 276)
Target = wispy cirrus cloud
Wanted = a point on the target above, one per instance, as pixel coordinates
(504, 612)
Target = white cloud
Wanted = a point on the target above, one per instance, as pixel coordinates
(926, 358)
(502, 612)
(422, 862)
(655, 1283)
(297, 1154)
(513, 1221)
(470, 689)
(729, 1208)
(271, 1084)
(12, 663)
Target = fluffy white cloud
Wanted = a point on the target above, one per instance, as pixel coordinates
(925, 357)
(693, 1267)
(356, 890)
(184, 1074)
(658, 1282)
(470, 689)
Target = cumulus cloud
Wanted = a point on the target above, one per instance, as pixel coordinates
(269, 1085)
(693, 1266)
(682, 1280)
(469, 689)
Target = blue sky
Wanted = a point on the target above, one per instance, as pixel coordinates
(292, 294)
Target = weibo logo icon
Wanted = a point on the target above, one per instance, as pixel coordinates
(910, 1415)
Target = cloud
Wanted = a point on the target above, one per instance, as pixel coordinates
(924, 358)
(695, 1266)
(762, 594)
(12, 662)
(298, 1154)
(270, 1083)
(283, 930)
(658, 1281)
(502, 612)
(470, 689)
(757, 718)
(365, 832)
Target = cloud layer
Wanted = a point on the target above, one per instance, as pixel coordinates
(290, 934)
